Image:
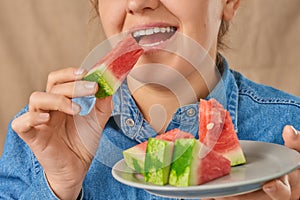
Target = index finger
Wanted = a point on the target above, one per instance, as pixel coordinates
(63, 76)
(24, 123)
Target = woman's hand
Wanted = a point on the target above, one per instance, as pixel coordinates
(290, 188)
(284, 188)
(51, 128)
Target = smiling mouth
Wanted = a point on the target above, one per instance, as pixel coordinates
(151, 37)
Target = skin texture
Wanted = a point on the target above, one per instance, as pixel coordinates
(49, 126)
(49, 130)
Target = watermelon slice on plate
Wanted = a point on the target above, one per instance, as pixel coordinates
(194, 164)
(135, 156)
(113, 68)
(217, 132)
(157, 161)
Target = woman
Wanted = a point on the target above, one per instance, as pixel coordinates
(56, 162)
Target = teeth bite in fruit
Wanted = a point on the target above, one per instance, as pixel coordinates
(112, 69)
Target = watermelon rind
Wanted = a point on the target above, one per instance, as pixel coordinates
(216, 130)
(236, 156)
(181, 172)
(157, 161)
(195, 164)
(110, 71)
(135, 158)
(104, 82)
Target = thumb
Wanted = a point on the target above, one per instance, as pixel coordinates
(103, 108)
(291, 137)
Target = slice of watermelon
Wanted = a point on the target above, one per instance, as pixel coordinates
(157, 161)
(135, 156)
(113, 68)
(194, 164)
(216, 131)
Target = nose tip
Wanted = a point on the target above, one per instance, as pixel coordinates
(139, 6)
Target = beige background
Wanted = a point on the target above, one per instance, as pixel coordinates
(39, 36)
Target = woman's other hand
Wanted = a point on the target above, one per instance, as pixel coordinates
(289, 188)
(284, 188)
(51, 130)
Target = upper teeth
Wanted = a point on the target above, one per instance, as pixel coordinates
(154, 30)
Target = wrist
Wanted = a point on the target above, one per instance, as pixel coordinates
(66, 190)
(68, 194)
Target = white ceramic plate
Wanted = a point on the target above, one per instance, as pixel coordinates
(265, 161)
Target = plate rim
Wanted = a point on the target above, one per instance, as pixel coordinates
(201, 187)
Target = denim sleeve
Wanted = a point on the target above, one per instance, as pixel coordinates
(21, 176)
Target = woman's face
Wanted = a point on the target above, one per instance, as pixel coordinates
(154, 22)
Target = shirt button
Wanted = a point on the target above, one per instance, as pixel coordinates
(129, 122)
(191, 112)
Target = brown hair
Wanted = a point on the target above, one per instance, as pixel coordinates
(95, 5)
(222, 32)
(221, 45)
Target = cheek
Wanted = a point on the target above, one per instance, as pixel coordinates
(200, 19)
(191, 11)
(112, 16)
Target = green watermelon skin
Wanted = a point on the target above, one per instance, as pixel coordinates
(105, 88)
(135, 156)
(194, 164)
(113, 68)
(157, 161)
(216, 131)
(182, 162)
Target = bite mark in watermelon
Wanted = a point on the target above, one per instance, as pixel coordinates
(216, 131)
(194, 164)
(135, 156)
(113, 68)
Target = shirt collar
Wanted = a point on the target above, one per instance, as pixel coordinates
(134, 126)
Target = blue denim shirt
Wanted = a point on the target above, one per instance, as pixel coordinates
(258, 112)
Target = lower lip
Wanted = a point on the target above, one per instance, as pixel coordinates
(158, 45)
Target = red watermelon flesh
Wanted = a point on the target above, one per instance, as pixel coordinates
(194, 164)
(212, 166)
(174, 134)
(113, 68)
(135, 156)
(216, 131)
(212, 117)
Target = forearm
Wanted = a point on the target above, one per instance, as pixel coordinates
(21, 176)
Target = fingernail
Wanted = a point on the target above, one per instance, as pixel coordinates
(43, 116)
(294, 131)
(79, 71)
(90, 85)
